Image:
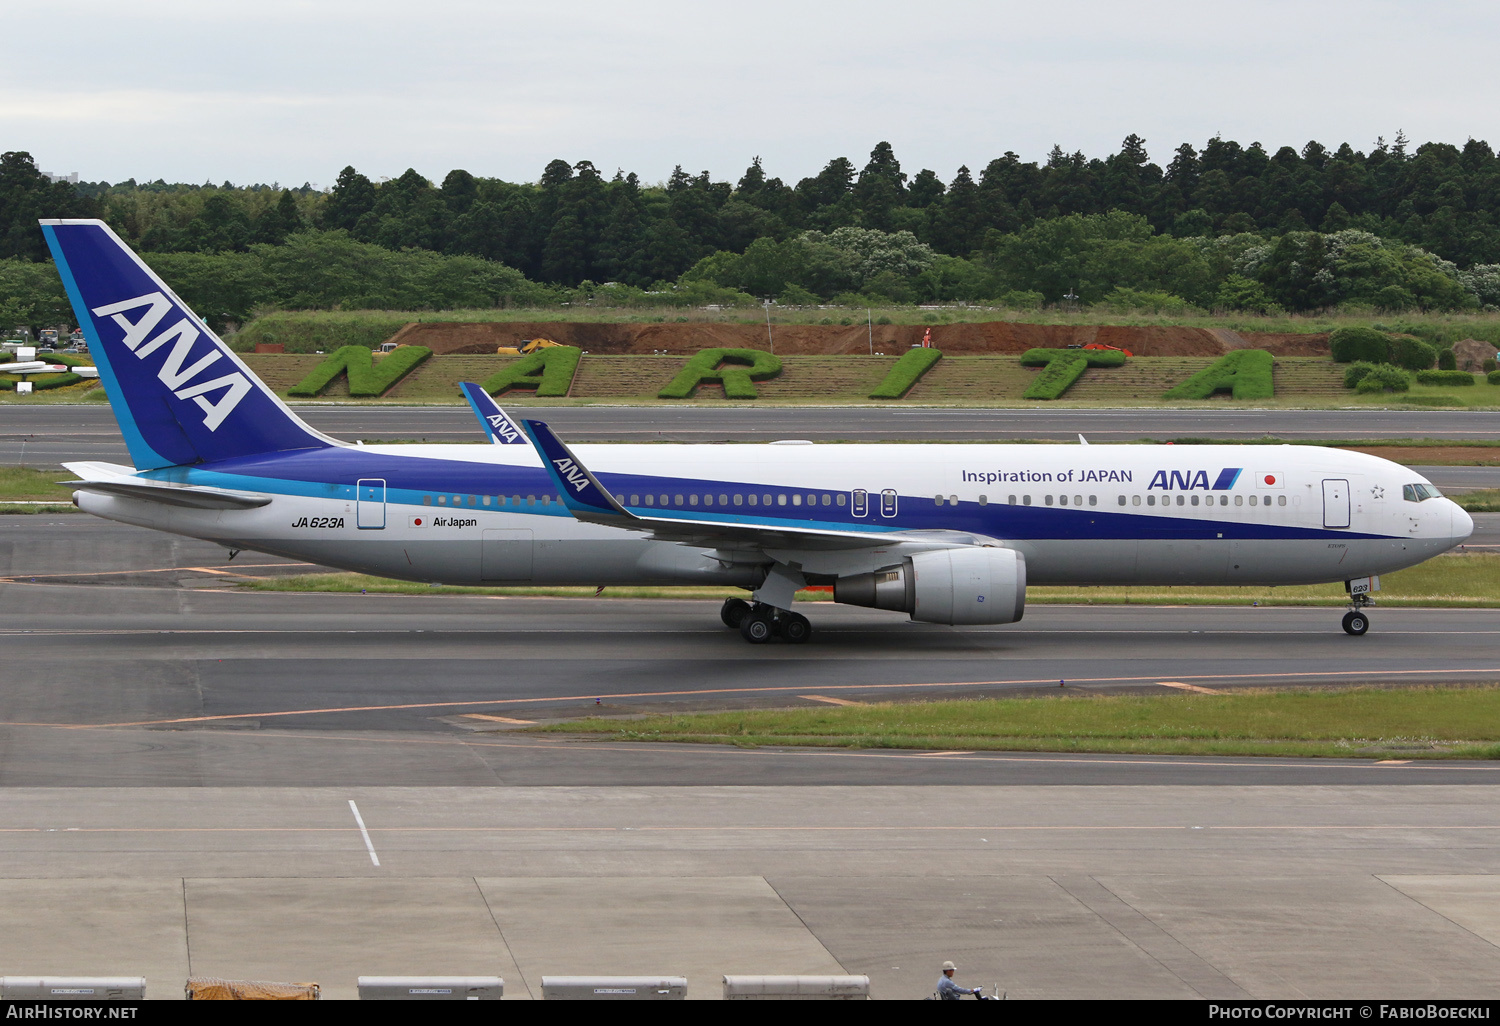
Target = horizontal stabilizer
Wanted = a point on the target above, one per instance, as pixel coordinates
(113, 479)
(174, 495)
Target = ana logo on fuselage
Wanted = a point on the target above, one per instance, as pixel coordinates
(1187, 480)
(172, 372)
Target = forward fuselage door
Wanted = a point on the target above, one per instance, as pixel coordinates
(1335, 502)
(370, 514)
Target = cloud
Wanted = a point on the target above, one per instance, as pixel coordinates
(286, 90)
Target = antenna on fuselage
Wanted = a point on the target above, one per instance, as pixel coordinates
(1082, 440)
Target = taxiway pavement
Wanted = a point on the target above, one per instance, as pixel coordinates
(49, 435)
(181, 765)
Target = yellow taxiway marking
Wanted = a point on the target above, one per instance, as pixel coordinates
(1188, 687)
(494, 719)
(831, 701)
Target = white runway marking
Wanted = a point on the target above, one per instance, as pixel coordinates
(369, 845)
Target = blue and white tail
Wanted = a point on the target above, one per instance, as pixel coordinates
(495, 421)
(181, 396)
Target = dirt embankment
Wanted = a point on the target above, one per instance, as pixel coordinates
(977, 339)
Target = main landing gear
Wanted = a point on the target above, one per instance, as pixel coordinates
(1357, 621)
(759, 623)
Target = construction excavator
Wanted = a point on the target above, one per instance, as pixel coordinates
(527, 347)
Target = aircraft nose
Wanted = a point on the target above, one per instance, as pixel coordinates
(1463, 524)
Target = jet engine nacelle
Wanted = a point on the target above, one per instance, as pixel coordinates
(954, 586)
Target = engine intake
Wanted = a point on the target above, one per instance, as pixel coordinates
(953, 586)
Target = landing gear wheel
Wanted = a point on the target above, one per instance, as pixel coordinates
(1356, 622)
(795, 628)
(733, 612)
(756, 627)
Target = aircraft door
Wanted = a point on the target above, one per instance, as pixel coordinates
(888, 502)
(370, 512)
(1335, 503)
(506, 556)
(860, 502)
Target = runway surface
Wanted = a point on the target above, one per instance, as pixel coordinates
(49, 435)
(196, 780)
(117, 628)
(132, 634)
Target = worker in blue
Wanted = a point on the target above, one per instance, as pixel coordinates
(947, 990)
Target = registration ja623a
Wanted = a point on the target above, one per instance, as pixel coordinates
(319, 522)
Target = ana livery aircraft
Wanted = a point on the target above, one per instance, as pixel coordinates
(949, 534)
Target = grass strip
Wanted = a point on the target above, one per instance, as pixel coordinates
(1453, 580)
(11, 508)
(1411, 722)
(33, 483)
(1480, 500)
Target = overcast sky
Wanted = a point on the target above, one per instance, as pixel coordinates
(289, 91)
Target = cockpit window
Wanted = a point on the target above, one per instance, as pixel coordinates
(1419, 492)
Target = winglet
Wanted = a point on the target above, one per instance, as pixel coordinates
(497, 424)
(581, 491)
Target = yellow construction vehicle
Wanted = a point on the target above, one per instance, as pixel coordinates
(527, 347)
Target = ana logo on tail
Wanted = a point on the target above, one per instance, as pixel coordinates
(569, 470)
(172, 372)
(504, 430)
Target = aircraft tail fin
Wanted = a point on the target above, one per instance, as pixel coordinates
(180, 394)
(497, 424)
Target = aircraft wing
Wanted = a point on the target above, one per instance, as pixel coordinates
(112, 479)
(591, 502)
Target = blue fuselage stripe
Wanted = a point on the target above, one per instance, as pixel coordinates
(332, 474)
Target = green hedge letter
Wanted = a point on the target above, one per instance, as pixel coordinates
(366, 377)
(907, 372)
(1062, 367)
(1244, 374)
(550, 371)
(707, 368)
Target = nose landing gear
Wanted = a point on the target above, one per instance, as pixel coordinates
(1357, 621)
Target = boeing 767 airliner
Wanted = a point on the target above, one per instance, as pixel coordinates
(948, 534)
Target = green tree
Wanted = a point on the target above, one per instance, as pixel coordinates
(352, 197)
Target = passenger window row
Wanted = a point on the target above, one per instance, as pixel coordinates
(486, 500)
(839, 499)
(724, 499)
(1206, 500)
(1061, 500)
(706, 499)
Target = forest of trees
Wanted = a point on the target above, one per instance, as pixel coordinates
(1228, 227)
